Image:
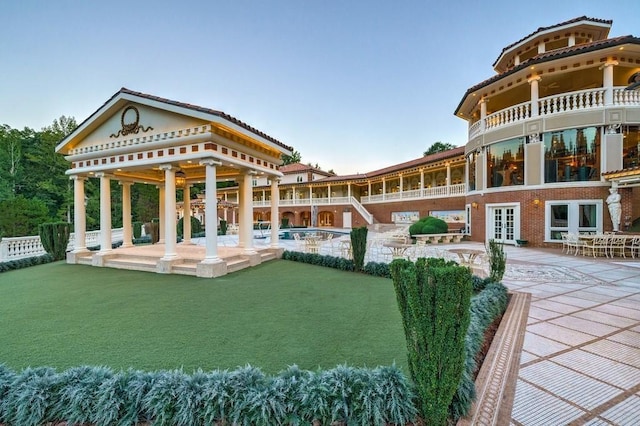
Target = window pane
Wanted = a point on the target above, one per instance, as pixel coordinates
(505, 163)
(559, 215)
(587, 216)
(572, 155)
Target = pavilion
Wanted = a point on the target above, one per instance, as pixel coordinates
(136, 137)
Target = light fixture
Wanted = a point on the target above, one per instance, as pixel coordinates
(536, 202)
(474, 205)
(181, 178)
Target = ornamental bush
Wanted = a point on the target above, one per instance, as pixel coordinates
(429, 225)
(246, 396)
(434, 304)
(196, 226)
(359, 246)
(55, 238)
(137, 229)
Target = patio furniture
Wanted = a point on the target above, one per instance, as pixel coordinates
(467, 257)
(617, 245)
(635, 246)
(596, 245)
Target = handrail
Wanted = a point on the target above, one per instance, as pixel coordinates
(363, 212)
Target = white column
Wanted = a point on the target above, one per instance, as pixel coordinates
(384, 188)
(246, 215)
(483, 114)
(127, 240)
(421, 179)
(607, 81)
(533, 82)
(349, 191)
(211, 211)
(186, 219)
(275, 216)
(448, 177)
(105, 212)
(79, 215)
(401, 183)
(169, 216)
(329, 193)
(161, 221)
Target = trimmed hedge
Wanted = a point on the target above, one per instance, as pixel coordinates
(434, 301)
(317, 259)
(54, 237)
(429, 225)
(25, 263)
(100, 396)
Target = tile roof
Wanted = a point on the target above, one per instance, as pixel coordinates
(561, 24)
(553, 55)
(439, 156)
(299, 167)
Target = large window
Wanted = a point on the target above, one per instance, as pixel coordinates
(471, 160)
(572, 155)
(630, 146)
(505, 163)
(572, 216)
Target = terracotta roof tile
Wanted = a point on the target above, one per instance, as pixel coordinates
(553, 55)
(561, 24)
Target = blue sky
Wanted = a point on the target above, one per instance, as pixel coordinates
(352, 85)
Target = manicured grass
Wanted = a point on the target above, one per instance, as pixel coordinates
(274, 315)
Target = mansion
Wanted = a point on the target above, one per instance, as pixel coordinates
(549, 135)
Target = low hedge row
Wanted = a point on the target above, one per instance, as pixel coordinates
(25, 263)
(100, 396)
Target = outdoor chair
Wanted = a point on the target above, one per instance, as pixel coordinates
(635, 246)
(617, 245)
(596, 246)
(565, 242)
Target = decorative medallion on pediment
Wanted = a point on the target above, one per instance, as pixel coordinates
(130, 120)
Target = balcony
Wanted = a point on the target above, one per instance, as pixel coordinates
(414, 194)
(582, 100)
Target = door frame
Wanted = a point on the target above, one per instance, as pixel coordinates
(489, 225)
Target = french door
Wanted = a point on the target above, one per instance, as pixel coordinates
(503, 224)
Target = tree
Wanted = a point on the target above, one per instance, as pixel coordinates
(438, 147)
(21, 217)
(295, 157)
(11, 159)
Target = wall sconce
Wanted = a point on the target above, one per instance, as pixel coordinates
(536, 202)
(474, 205)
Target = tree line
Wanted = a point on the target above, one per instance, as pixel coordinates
(34, 188)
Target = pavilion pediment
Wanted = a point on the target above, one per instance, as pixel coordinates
(134, 120)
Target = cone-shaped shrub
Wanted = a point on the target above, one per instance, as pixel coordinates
(55, 238)
(434, 303)
(359, 246)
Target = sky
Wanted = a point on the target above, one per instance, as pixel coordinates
(353, 86)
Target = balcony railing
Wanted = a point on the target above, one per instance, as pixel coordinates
(556, 104)
(436, 192)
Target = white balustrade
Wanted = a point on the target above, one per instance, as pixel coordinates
(508, 115)
(573, 101)
(15, 248)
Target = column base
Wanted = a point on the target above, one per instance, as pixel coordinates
(101, 257)
(74, 256)
(211, 268)
(164, 266)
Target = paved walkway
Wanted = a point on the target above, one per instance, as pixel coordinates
(580, 362)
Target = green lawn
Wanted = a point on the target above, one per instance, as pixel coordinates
(270, 316)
